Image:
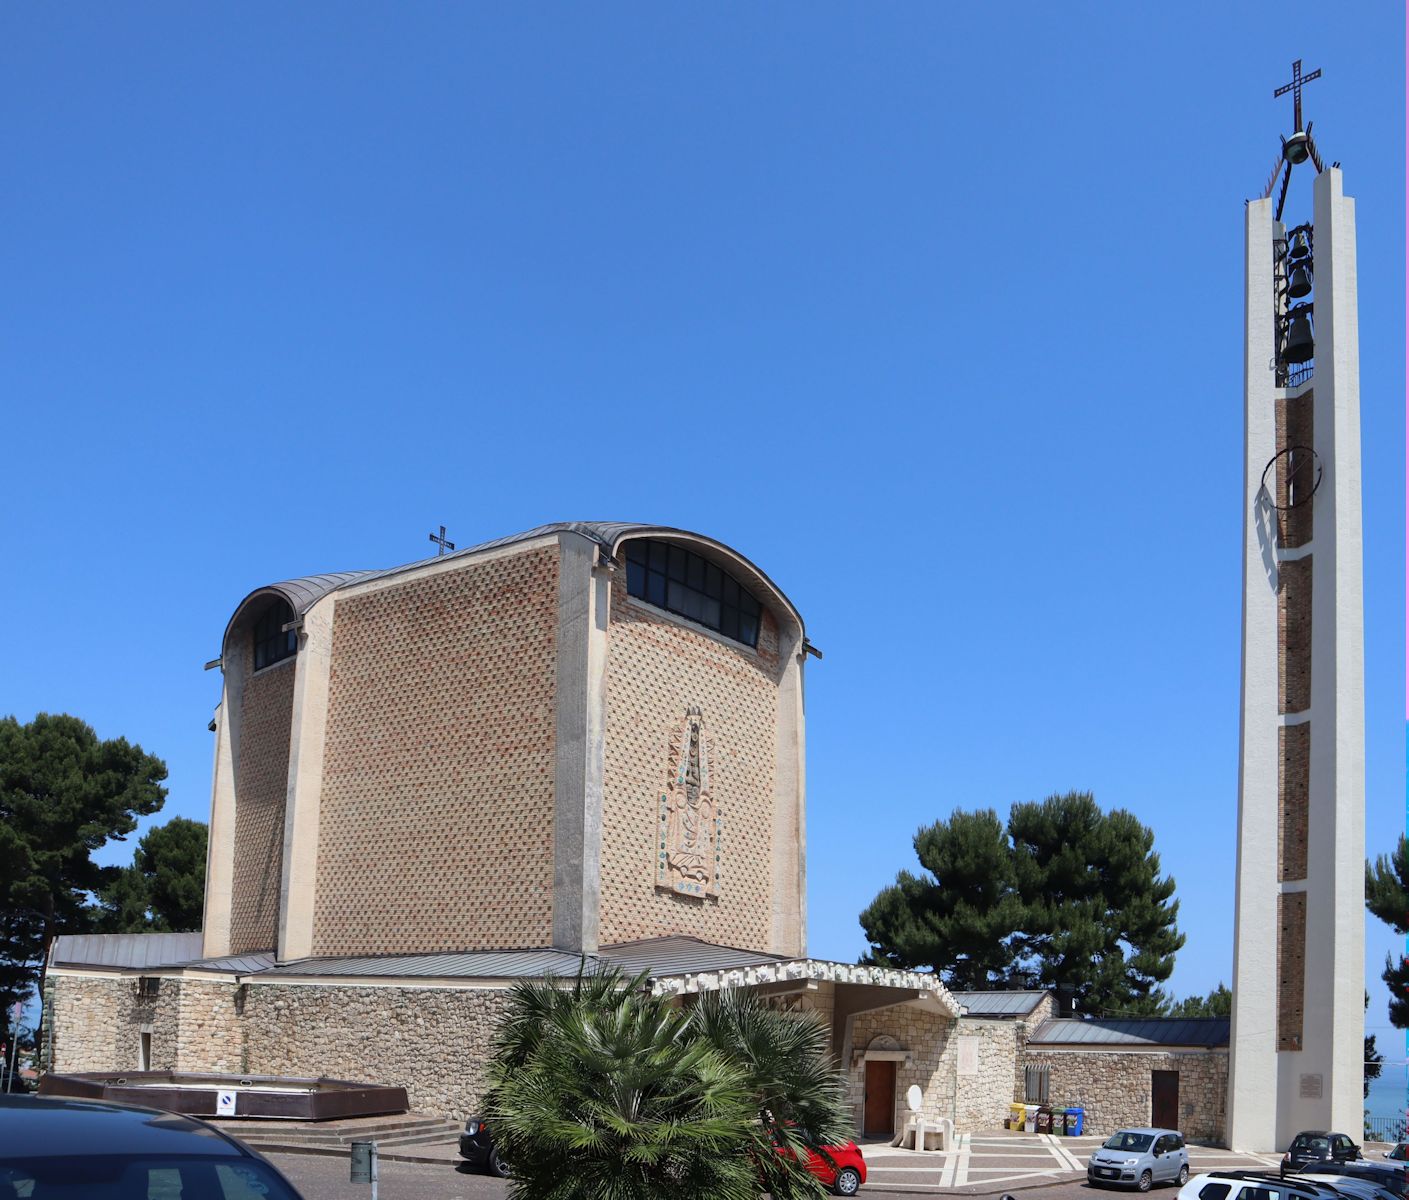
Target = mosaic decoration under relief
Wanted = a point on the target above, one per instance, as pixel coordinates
(689, 825)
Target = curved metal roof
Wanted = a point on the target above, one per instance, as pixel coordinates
(304, 592)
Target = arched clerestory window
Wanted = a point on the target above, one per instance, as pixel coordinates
(272, 642)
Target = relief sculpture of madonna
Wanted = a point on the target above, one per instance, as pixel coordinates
(689, 825)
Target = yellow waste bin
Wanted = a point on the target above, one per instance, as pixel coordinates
(1017, 1114)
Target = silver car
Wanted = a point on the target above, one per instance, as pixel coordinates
(1140, 1158)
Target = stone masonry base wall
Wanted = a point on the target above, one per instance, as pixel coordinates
(435, 1042)
(432, 1041)
(1114, 1087)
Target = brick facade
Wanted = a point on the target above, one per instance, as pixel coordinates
(1294, 603)
(261, 785)
(1294, 798)
(1294, 428)
(1291, 969)
(436, 816)
(657, 668)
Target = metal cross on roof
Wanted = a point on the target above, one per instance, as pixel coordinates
(1295, 88)
(441, 543)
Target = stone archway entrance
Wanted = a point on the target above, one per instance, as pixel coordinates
(878, 1110)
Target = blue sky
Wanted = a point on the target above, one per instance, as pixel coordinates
(933, 311)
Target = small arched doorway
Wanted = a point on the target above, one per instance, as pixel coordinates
(880, 1061)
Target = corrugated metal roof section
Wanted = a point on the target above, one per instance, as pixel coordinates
(478, 964)
(130, 950)
(235, 964)
(305, 592)
(601, 532)
(999, 1004)
(680, 955)
(1147, 1031)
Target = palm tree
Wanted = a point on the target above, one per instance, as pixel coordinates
(601, 1091)
(793, 1084)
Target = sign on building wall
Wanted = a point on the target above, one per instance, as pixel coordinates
(968, 1054)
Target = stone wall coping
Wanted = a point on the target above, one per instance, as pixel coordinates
(802, 969)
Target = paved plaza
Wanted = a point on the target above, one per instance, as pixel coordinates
(981, 1164)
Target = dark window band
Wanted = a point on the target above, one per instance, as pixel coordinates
(673, 578)
(271, 643)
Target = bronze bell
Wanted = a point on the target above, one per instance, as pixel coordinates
(1301, 246)
(1299, 282)
(1301, 346)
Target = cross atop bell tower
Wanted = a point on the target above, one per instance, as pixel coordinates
(1295, 88)
(1295, 1049)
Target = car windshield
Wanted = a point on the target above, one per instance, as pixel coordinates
(110, 1177)
(1312, 1146)
(1135, 1142)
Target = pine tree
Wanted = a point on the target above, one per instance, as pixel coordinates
(1067, 897)
(1387, 896)
(1218, 1003)
(163, 891)
(959, 918)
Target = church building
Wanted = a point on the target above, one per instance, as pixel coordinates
(579, 745)
(582, 742)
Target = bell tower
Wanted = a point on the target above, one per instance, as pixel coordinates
(1296, 1048)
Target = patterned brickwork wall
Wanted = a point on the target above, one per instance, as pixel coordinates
(261, 790)
(1294, 428)
(1293, 790)
(656, 669)
(1115, 1088)
(436, 821)
(1294, 635)
(434, 1042)
(1291, 968)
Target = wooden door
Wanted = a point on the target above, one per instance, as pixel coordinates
(879, 1119)
(1164, 1099)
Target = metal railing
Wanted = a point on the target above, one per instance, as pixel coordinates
(1386, 1129)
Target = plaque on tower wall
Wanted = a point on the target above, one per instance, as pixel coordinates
(689, 825)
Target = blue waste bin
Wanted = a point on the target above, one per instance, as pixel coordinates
(1075, 1121)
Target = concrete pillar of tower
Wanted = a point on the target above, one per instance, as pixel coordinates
(1298, 1019)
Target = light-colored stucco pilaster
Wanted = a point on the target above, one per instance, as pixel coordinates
(298, 885)
(1251, 1118)
(583, 601)
(789, 929)
(220, 846)
(1335, 920)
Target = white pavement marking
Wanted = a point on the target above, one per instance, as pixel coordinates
(1065, 1159)
(961, 1161)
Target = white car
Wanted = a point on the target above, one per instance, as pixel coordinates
(1263, 1185)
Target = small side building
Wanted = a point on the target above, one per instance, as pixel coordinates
(1167, 1072)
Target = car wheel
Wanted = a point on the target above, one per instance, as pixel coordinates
(1183, 1174)
(497, 1166)
(1146, 1178)
(847, 1182)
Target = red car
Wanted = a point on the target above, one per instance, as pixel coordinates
(848, 1174)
